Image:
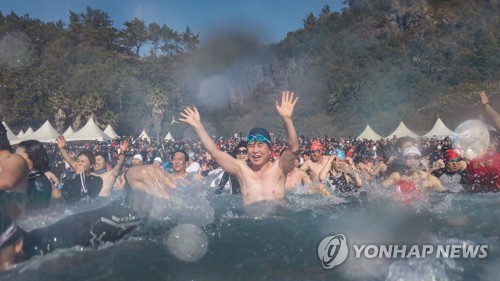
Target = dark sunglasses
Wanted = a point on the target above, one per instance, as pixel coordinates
(314, 151)
(241, 152)
(453, 160)
(414, 157)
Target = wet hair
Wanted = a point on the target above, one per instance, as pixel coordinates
(89, 155)
(9, 232)
(103, 155)
(37, 154)
(403, 140)
(186, 155)
(4, 141)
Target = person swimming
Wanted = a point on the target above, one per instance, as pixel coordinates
(90, 228)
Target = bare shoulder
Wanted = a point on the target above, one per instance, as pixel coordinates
(14, 161)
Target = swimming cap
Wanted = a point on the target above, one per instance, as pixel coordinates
(316, 145)
(259, 134)
(158, 159)
(137, 156)
(451, 154)
(339, 153)
(412, 149)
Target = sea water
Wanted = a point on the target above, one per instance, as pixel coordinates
(209, 237)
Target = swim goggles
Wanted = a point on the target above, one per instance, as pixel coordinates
(259, 138)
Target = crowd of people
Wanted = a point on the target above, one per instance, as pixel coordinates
(260, 167)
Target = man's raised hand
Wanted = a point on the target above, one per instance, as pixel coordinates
(285, 110)
(191, 117)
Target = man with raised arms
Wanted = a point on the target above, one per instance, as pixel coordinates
(262, 179)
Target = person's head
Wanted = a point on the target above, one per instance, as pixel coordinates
(192, 157)
(296, 163)
(137, 160)
(11, 243)
(316, 151)
(306, 155)
(339, 160)
(157, 161)
(259, 146)
(412, 157)
(179, 161)
(365, 158)
(451, 160)
(403, 143)
(240, 152)
(100, 161)
(4, 141)
(35, 155)
(85, 161)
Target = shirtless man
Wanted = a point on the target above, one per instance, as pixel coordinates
(296, 177)
(13, 168)
(368, 171)
(180, 175)
(108, 177)
(317, 162)
(262, 179)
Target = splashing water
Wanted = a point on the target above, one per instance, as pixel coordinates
(472, 138)
(230, 244)
(187, 242)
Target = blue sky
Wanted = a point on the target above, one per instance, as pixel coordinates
(273, 19)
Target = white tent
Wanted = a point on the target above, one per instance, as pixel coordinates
(10, 135)
(28, 132)
(369, 134)
(403, 131)
(169, 137)
(110, 132)
(20, 134)
(46, 133)
(144, 135)
(439, 130)
(89, 132)
(69, 131)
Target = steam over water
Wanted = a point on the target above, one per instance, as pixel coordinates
(274, 242)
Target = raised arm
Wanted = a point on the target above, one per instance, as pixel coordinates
(226, 161)
(324, 172)
(492, 114)
(285, 110)
(61, 144)
(124, 145)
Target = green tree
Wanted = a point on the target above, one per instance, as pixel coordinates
(134, 35)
